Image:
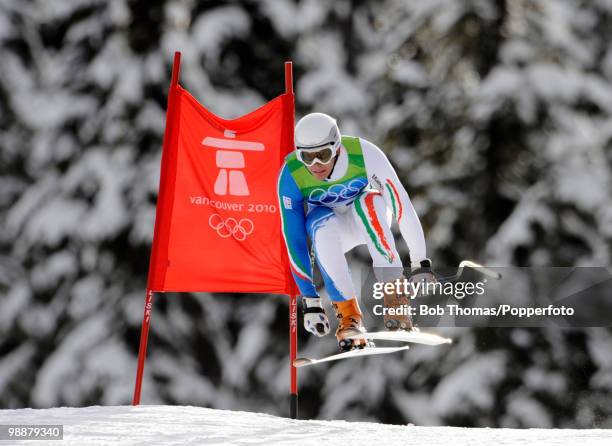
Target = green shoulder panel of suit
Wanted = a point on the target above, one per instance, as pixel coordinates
(306, 182)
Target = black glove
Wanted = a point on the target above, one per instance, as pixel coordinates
(421, 273)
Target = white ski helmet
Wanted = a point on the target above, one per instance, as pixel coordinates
(317, 130)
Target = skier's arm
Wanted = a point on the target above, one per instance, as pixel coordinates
(291, 204)
(384, 178)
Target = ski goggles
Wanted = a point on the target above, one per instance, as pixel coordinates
(323, 154)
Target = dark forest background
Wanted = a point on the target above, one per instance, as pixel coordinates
(497, 115)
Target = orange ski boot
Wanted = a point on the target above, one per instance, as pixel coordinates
(349, 323)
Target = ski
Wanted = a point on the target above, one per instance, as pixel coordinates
(368, 351)
(417, 337)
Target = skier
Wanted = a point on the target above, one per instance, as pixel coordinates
(350, 190)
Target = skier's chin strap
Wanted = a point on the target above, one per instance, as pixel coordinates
(334, 166)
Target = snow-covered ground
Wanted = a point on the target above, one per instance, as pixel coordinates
(180, 425)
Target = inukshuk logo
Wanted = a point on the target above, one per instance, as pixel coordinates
(230, 161)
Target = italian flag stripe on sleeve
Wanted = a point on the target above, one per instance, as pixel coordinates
(373, 226)
(395, 200)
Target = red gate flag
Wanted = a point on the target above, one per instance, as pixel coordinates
(217, 222)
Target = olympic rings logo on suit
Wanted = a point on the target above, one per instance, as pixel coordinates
(239, 229)
(338, 193)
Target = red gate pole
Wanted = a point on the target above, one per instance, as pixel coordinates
(293, 402)
(142, 351)
(148, 307)
(293, 316)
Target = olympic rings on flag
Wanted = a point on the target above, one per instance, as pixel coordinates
(337, 193)
(231, 227)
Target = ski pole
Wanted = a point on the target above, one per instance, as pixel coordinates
(473, 265)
